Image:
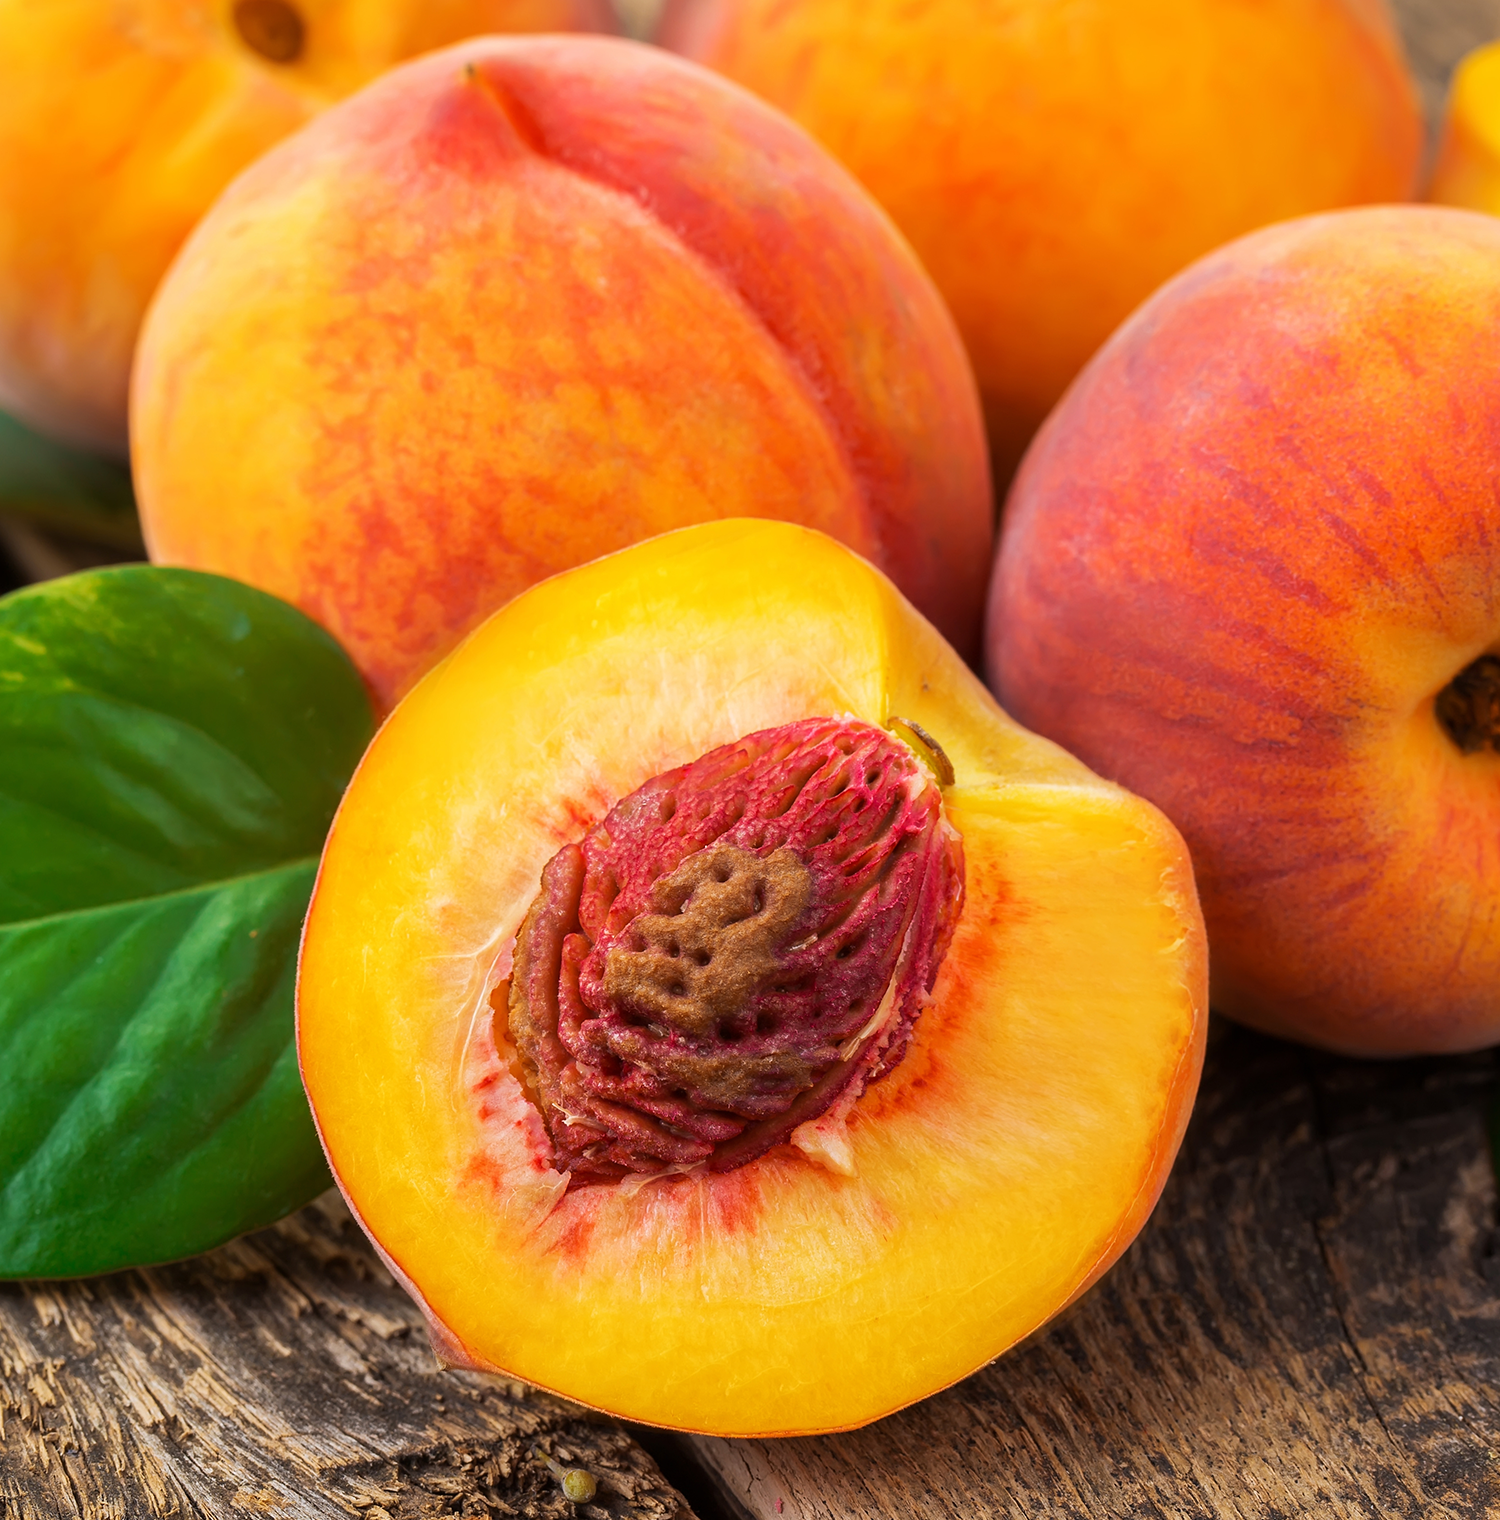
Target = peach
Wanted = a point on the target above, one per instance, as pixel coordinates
(121, 120)
(719, 1012)
(1251, 569)
(1467, 170)
(528, 301)
(1052, 164)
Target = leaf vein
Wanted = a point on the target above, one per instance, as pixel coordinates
(71, 914)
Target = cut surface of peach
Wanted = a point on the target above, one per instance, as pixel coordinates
(999, 1147)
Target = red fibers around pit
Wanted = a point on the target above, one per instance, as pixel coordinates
(736, 945)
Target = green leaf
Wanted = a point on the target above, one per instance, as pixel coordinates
(172, 749)
(85, 495)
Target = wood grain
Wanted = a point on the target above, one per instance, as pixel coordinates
(1308, 1327)
(284, 1375)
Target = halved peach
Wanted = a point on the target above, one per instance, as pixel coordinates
(719, 1012)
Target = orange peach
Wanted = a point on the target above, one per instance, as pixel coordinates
(718, 1011)
(121, 120)
(528, 301)
(1251, 569)
(1053, 163)
(1467, 171)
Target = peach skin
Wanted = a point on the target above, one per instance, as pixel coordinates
(1052, 163)
(121, 120)
(527, 301)
(1251, 570)
(1467, 171)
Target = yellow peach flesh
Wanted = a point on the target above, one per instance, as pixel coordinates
(1003, 1164)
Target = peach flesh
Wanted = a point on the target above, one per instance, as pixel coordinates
(981, 1184)
(736, 946)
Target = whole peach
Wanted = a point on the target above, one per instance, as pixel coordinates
(1251, 569)
(1467, 169)
(1053, 161)
(528, 301)
(121, 120)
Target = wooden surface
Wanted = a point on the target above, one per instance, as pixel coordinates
(284, 1375)
(1309, 1326)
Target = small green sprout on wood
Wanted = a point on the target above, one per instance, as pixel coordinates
(578, 1484)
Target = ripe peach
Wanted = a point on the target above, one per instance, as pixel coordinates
(1467, 171)
(1052, 164)
(121, 120)
(528, 301)
(719, 1012)
(1251, 569)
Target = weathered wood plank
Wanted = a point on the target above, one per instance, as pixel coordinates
(284, 1375)
(1307, 1327)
